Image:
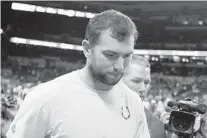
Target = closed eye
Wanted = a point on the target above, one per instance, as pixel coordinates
(127, 55)
(146, 82)
(137, 80)
(109, 54)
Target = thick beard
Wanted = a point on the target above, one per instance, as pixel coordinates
(103, 77)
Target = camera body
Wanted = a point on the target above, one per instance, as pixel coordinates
(182, 118)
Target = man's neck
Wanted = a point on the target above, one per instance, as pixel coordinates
(89, 80)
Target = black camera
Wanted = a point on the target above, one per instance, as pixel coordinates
(183, 116)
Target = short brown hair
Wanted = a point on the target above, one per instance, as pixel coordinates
(120, 25)
(136, 59)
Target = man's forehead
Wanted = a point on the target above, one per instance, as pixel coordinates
(108, 34)
(107, 42)
(140, 67)
(140, 71)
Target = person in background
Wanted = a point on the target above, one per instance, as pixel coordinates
(138, 78)
(90, 102)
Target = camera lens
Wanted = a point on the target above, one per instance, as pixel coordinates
(182, 123)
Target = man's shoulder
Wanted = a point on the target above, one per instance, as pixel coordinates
(63, 80)
(54, 87)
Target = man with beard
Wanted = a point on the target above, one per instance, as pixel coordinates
(138, 78)
(91, 102)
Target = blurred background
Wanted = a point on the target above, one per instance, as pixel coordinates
(42, 40)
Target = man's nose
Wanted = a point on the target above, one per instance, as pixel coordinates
(141, 92)
(142, 86)
(119, 64)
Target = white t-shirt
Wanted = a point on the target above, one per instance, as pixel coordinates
(67, 108)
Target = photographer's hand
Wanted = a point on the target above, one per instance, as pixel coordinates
(202, 132)
(164, 117)
(197, 123)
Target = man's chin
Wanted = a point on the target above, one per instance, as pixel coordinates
(112, 81)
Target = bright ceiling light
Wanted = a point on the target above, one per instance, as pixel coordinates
(70, 13)
(200, 22)
(40, 9)
(23, 7)
(51, 10)
(18, 40)
(79, 14)
(89, 15)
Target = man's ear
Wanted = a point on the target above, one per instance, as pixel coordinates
(86, 48)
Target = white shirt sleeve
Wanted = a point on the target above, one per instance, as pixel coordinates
(31, 121)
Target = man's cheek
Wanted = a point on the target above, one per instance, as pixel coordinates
(103, 63)
(106, 62)
(132, 85)
(126, 64)
(147, 88)
(136, 87)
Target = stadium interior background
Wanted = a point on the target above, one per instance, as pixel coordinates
(163, 27)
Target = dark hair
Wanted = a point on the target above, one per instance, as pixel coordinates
(120, 25)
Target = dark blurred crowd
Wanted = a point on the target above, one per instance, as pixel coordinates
(16, 80)
(166, 88)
